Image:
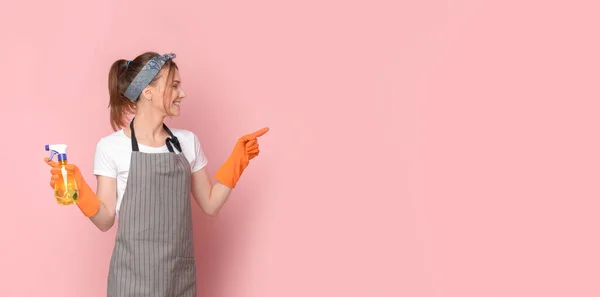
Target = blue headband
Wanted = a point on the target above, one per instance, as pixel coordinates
(146, 75)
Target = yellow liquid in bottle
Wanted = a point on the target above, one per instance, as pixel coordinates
(65, 188)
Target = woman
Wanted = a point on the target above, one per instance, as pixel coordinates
(145, 175)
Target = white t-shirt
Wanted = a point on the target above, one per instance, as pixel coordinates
(113, 156)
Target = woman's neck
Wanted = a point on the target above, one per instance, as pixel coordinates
(149, 128)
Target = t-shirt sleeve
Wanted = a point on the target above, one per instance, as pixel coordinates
(199, 158)
(104, 163)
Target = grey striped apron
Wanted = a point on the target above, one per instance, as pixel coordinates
(154, 246)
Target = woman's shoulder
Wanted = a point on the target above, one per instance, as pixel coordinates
(114, 139)
(188, 139)
(183, 134)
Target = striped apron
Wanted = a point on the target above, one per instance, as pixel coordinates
(154, 246)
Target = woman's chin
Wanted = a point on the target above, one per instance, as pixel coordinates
(175, 110)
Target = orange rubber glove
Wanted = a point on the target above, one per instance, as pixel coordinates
(87, 201)
(245, 149)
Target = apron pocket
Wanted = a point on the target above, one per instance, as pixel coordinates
(183, 278)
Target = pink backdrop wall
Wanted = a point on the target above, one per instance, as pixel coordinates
(445, 148)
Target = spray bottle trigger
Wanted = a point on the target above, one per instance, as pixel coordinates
(52, 153)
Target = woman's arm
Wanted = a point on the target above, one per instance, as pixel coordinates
(210, 197)
(106, 191)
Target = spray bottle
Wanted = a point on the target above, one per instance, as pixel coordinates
(65, 188)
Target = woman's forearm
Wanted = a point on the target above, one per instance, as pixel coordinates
(208, 195)
(219, 194)
(104, 219)
(106, 198)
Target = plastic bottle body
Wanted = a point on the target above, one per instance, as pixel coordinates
(65, 188)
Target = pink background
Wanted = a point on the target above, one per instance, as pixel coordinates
(417, 148)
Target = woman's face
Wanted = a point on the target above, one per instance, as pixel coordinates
(167, 103)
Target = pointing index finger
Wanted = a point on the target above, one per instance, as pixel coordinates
(260, 132)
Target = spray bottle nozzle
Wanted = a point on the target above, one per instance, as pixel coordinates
(60, 149)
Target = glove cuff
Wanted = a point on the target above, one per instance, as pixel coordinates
(87, 202)
(230, 172)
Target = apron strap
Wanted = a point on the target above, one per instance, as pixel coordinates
(170, 141)
(134, 144)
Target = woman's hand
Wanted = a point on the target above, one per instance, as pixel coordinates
(245, 149)
(56, 172)
(87, 201)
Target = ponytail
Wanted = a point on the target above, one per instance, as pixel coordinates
(118, 103)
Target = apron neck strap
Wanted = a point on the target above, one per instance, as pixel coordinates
(171, 141)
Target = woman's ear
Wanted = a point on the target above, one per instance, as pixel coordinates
(147, 92)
